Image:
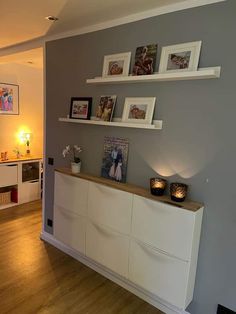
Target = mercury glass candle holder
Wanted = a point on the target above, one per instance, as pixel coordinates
(178, 191)
(157, 186)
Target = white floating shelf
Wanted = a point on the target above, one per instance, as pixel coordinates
(157, 124)
(202, 73)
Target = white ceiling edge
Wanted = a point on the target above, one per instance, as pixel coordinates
(26, 45)
(186, 4)
(39, 42)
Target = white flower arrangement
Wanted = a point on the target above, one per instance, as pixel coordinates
(73, 152)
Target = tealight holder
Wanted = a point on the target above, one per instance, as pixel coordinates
(178, 191)
(157, 186)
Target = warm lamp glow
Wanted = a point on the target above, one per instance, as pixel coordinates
(24, 138)
(21, 135)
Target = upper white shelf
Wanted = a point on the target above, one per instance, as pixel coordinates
(202, 73)
(157, 124)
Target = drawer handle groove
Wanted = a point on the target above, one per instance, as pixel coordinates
(66, 212)
(153, 251)
(102, 230)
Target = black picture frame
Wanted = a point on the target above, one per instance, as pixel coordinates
(80, 108)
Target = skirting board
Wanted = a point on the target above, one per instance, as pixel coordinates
(126, 284)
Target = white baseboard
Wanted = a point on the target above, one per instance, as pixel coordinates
(155, 301)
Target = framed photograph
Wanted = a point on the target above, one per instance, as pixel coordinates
(105, 108)
(115, 157)
(145, 60)
(9, 99)
(80, 108)
(138, 110)
(183, 57)
(116, 65)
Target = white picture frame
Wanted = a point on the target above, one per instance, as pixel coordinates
(138, 110)
(181, 57)
(116, 65)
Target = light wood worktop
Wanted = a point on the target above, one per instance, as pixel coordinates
(188, 204)
(23, 158)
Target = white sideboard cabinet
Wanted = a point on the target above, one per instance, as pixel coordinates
(21, 179)
(147, 244)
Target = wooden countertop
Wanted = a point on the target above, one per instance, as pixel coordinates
(188, 204)
(24, 158)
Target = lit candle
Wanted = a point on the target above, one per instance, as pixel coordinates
(178, 191)
(157, 186)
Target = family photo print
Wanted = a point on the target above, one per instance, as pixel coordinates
(105, 108)
(145, 60)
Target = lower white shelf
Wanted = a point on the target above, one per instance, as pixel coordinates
(8, 205)
(157, 124)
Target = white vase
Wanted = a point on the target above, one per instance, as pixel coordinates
(75, 167)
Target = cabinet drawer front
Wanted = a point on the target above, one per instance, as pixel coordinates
(71, 193)
(110, 207)
(162, 275)
(29, 191)
(69, 228)
(164, 226)
(108, 248)
(8, 175)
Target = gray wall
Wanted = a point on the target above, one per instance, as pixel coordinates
(197, 144)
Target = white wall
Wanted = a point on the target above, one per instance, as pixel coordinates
(30, 81)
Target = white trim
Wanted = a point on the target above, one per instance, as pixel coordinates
(187, 4)
(126, 284)
(44, 135)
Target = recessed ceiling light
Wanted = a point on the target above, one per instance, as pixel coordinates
(51, 18)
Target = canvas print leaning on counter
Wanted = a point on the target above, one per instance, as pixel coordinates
(115, 157)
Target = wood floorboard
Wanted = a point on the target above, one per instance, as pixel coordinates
(37, 278)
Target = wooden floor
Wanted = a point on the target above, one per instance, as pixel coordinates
(35, 277)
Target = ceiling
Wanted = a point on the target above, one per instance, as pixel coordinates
(32, 58)
(25, 19)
